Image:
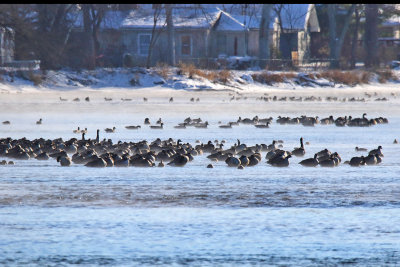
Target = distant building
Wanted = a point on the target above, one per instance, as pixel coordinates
(204, 33)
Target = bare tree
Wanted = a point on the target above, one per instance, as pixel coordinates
(371, 35)
(154, 32)
(354, 42)
(264, 34)
(171, 34)
(335, 41)
(93, 15)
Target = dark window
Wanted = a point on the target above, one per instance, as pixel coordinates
(144, 44)
(186, 45)
(221, 44)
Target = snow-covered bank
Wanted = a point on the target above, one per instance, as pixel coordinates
(241, 95)
(189, 79)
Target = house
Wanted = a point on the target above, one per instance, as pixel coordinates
(203, 34)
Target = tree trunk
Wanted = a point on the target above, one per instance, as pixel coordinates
(354, 42)
(264, 35)
(335, 42)
(171, 34)
(371, 36)
(90, 60)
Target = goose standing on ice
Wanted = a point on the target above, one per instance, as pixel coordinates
(6, 122)
(157, 126)
(39, 121)
(108, 130)
(132, 127)
(311, 162)
(300, 151)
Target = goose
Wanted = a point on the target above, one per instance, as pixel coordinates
(145, 99)
(161, 164)
(97, 135)
(42, 156)
(96, 162)
(226, 126)
(371, 160)
(126, 99)
(179, 161)
(201, 125)
(11, 162)
(6, 122)
(109, 130)
(232, 161)
(3, 162)
(87, 99)
(395, 141)
(63, 99)
(311, 162)
(376, 151)
(131, 127)
(122, 161)
(84, 131)
(159, 121)
(328, 162)
(146, 121)
(254, 159)
(300, 151)
(76, 99)
(357, 161)
(360, 149)
(262, 125)
(157, 126)
(65, 161)
(280, 161)
(327, 121)
(244, 161)
(171, 99)
(107, 99)
(39, 121)
(182, 126)
(210, 166)
(77, 130)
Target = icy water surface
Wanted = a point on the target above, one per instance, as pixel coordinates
(261, 215)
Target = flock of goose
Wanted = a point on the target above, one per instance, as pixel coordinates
(256, 121)
(96, 153)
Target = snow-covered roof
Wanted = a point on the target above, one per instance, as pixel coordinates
(227, 22)
(392, 21)
(293, 17)
(183, 17)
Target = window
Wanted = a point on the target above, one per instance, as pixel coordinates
(144, 43)
(221, 44)
(186, 45)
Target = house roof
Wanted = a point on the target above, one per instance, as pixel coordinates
(183, 17)
(227, 22)
(294, 16)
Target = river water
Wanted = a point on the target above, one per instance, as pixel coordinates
(223, 216)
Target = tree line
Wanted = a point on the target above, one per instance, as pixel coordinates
(43, 31)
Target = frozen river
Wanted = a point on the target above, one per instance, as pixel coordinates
(260, 215)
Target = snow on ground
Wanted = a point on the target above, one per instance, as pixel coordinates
(241, 92)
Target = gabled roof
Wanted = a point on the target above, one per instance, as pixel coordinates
(183, 17)
(226, 22)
